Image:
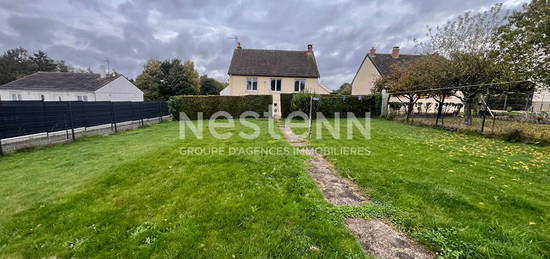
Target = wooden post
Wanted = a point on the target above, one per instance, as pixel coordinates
(310, 114)
(71, 119)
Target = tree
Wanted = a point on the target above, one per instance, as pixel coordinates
(432, 74)
(524, 43)
(472, 33)
(42, 62)
(162, 79)
(345, 89)
(469, 42)
(404, 82)
(16, 63)
(210, 86)
(150, 79)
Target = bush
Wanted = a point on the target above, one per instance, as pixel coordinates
(329, 104)
(208, 105)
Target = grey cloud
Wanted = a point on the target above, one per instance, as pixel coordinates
(85, 32)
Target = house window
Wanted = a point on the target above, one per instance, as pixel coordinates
(19, 97)
(276, 85)
(14, 97)
(251, 84)
(85, 98)
(299, 85)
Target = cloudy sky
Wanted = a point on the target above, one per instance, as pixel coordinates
(128, 32)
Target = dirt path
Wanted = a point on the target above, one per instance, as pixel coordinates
(377, 237)
(336, 190)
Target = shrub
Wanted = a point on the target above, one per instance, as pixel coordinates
(515, 135)
(329, 104)
(208, 105)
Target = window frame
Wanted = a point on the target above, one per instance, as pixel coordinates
(253, 83)
(280, 80)
(302, 86)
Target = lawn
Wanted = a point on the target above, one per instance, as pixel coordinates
(524, 131)
(462, 195)
(134, 194)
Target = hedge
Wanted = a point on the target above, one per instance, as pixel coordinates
(208, 105)
(330, 104)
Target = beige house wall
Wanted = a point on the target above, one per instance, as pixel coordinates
(237, 87)
(364, 80)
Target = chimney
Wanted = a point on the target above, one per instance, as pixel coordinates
(372, 52)
(102, 72)
(309, 48)
(395, 52)
(239, 45)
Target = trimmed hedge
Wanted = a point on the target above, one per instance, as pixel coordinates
(208, 105)
(330, 104)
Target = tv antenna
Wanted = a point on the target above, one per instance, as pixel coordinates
(108, 63)
(235, 38)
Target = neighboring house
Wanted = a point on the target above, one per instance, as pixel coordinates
(272, 72)
(62, 86)
(541, 100)
(376, 66)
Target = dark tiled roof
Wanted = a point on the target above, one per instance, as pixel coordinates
(385, 62)
(60, 81)
(284, 63)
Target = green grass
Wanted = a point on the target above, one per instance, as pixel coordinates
(135, 195)
(462, 195)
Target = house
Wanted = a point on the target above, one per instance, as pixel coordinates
(63, 86)
(272, 72)
(376, 66)
(541, 100)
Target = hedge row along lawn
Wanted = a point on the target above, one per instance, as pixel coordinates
(463, 195)
(135, 195)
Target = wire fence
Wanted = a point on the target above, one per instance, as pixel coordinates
(20, 118)
(512, 114)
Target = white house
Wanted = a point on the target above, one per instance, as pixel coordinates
(272, 72)
(62, 86)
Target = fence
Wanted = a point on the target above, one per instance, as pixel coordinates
(512, 115)
(20, 118)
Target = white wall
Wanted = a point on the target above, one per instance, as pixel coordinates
(119, 89)
(30, 95)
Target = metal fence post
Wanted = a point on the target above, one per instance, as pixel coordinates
(71, 119)
(113, 116)
(1, 150)
(45, 120)
(160, 111)
(140, 108)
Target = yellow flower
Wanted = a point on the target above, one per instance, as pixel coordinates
(532, 223)
(451, 171)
